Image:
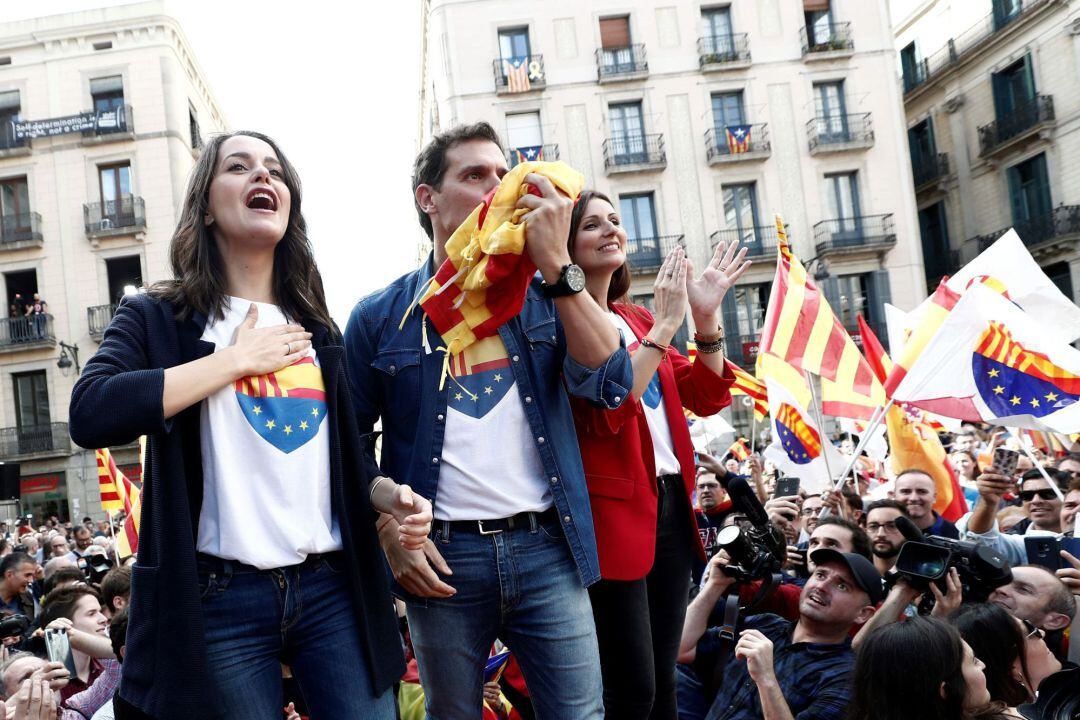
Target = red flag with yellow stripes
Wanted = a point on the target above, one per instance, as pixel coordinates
(119, 493)
(748, 385)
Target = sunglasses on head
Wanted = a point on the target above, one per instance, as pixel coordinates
(1032, 631)
(1045, 494)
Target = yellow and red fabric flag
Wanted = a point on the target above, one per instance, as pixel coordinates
(738, 450)
(748, 385)
(801, 330)
(483, 282)
(798, 446)
(119, 493)
(913, 441)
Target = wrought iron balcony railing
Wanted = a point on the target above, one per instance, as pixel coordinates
(1019, 121)
(627, 151)
(8, 141)
(111, 122)
(647, 254)
(832, 132)
(621, 63)
(854, 232)
(721, 148)
(1060, 223)
(98, 318)
(515, 75)
(20, 228)
(723, 49)
(760, 241)
(25, 440)
(112, 216)
(837, 37)
(929, 168)
(17, 332)
(538, 152)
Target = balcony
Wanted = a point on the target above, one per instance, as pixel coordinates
(10, 146)
(1023, 122)
(723, 52)
(547, 152)
(836, 42)
(1044, 234)
(719, 149)
(634, 153)
(929, 172)
(26, 333)
(646, 255)
(622, 63)
(916, 76)
(854, 235)
(518, 75)
(838, 133)
(20, 230)
(34, 441)
(112, 125)
(98, 318)
(760, 241)
(113, 218)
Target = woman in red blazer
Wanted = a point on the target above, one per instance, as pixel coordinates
(639, 462)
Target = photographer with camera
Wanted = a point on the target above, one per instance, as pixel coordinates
(787, 669)
(17, 571)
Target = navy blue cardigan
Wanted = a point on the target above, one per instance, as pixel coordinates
(117, 399)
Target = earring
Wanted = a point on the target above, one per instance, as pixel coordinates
(208, 219)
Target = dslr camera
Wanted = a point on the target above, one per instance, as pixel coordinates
(756, 547)
(926, 559)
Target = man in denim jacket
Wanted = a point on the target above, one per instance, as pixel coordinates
(494, 448)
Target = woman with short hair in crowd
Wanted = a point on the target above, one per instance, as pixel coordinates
(639, 461)
(257, 541)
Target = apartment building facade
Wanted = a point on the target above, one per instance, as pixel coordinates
(701, 120)
(992, 98)
(102, 115)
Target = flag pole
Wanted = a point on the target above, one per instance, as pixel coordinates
(821, 426)
(112, 531)
(753, 429)
(1046, 475)
(870, 428)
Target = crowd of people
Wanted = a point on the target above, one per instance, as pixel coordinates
(482, 500)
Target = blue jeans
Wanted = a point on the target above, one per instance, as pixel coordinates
(522, 587)
(301, 616)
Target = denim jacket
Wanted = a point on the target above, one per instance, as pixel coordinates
(396, 378)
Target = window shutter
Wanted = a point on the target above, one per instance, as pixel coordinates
(815, 5)
(615, 32)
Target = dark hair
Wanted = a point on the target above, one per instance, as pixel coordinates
(13, 561)
(63, 575)
(60, 603)
(888, 503)
(620, 279)
(996, 639)
(118, 633)
(429, 168)
(116, 583)
(1060, 477)
(853, 499)
(199, 281)
(860, 541)
(931, 651)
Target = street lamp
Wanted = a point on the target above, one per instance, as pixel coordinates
(64, 362)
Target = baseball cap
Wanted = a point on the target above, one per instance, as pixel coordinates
(866, 575)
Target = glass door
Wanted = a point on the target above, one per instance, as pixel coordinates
(627, 133)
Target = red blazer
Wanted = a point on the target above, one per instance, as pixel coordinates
(620, 467)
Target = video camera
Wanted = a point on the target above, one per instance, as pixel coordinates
(14, 626)
(756, 547)
(926, 559)
(95, 566)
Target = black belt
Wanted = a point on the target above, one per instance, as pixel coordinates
(523, 520)
(211, 563)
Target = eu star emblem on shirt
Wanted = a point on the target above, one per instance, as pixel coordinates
(285, 407)
(481, 377)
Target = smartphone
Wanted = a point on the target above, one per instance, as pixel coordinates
(58, 645)
(1005, 461)
(1046, 550)
(786, 486)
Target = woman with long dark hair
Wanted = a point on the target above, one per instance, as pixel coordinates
(257, 538)
(639, 462)
(1014, 651)
(919, 668)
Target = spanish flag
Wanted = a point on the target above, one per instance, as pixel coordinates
(802, 331)
(738, 450)
(748, 385)
(119, 493)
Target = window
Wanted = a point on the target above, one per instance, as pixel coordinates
(1060, 276)
(934, 231)
(921, 146)
(740, 211)
(108, 93)
(638, 216)
(524, 136)
(909, 67)
(1014, 88)
(818, 18)
(866, 293)
(1029, 199)
(718, 33)
(193, 128)
(21, 286)
(1005, 11)
(627, 133)
(831, 111)
(15, 221)
(744, 315)
(10, 106)
(727, 109)
(514, 43)
(32, 412)
(842, 197)
(616, 55)
(125, 276)
(116, 201)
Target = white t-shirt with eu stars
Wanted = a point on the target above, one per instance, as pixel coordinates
(266, 459)
(490, 467)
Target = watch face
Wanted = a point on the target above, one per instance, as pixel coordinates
(575, 278)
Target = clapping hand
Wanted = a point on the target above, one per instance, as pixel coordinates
(669, 296)
(706, 292)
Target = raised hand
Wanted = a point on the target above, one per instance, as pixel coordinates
(669, 297)
(706, 292)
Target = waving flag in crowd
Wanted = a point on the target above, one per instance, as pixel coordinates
(798, 446)
(119, 493)
(748, 385)
(738, 450)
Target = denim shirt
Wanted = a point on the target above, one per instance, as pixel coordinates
(395, 375)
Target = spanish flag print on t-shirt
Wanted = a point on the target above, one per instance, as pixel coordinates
(483, 377)
(285, 407)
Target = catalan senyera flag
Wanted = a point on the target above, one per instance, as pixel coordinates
(992, 362)
(738, 450)
(748, 385)
(802, 331)
(798, 447)
(738, 138)
(119, 493)
(913, 442)
(486, 275)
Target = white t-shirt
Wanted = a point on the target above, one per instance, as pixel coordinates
(490, 467)
(653, 402)
(266, 459)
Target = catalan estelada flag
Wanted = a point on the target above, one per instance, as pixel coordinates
(738, 450)
(801, 330)
(913, 442)
(483, 282)
(748, 385)
(516, 70)
(530, 153)
(119, 493)
(738, 138)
